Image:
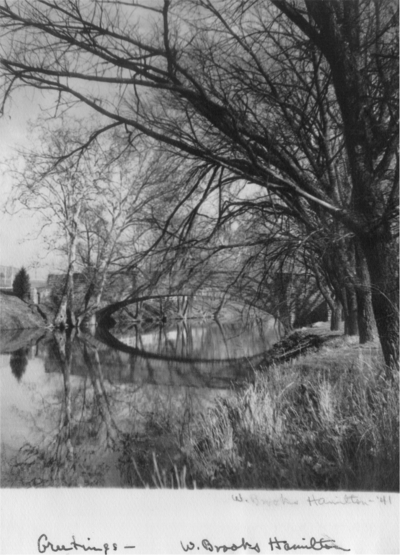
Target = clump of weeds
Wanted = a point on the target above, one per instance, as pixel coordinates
(324, 423)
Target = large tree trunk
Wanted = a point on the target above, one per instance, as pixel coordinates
(60, 319)
(381, 256)
(336, 316)
(65, 316)
(365, 316)
(364, 299)
(71, 318)
(282, 300)
(373, 190)
(350, 311)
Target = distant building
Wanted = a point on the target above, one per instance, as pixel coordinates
(56, 283)
(7, 275)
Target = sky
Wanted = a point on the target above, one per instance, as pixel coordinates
(20, 241)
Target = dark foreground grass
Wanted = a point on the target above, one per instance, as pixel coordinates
(326, 421)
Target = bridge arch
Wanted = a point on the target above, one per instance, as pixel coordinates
(104, 314)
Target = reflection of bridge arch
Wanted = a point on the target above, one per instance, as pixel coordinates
(106, 337)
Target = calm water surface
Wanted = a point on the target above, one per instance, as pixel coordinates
(65, 402)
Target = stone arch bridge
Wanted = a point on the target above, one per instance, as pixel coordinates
(206, 302)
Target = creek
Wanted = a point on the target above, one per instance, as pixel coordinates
(66, 402)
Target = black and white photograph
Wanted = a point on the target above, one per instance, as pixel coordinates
(199, 267)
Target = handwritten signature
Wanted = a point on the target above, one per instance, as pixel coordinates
(274, 544)
(313, 500)
(44, 544)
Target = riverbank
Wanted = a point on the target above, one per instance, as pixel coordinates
(315, 414)
(326, 420)
(16, 314)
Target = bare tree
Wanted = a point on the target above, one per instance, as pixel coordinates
(57, 189)
(300, 98)
(91, 200)
(115, 223)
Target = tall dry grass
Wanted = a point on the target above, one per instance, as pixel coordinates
(325, 421)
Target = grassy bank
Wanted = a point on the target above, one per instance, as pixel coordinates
(326, 420)
(16, 314)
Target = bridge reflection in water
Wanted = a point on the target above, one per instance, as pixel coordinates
(69, 402)
(207, 354)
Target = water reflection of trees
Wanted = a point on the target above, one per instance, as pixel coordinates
(95, 422)
(110, 408)
(67, 455)
(19, 362)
